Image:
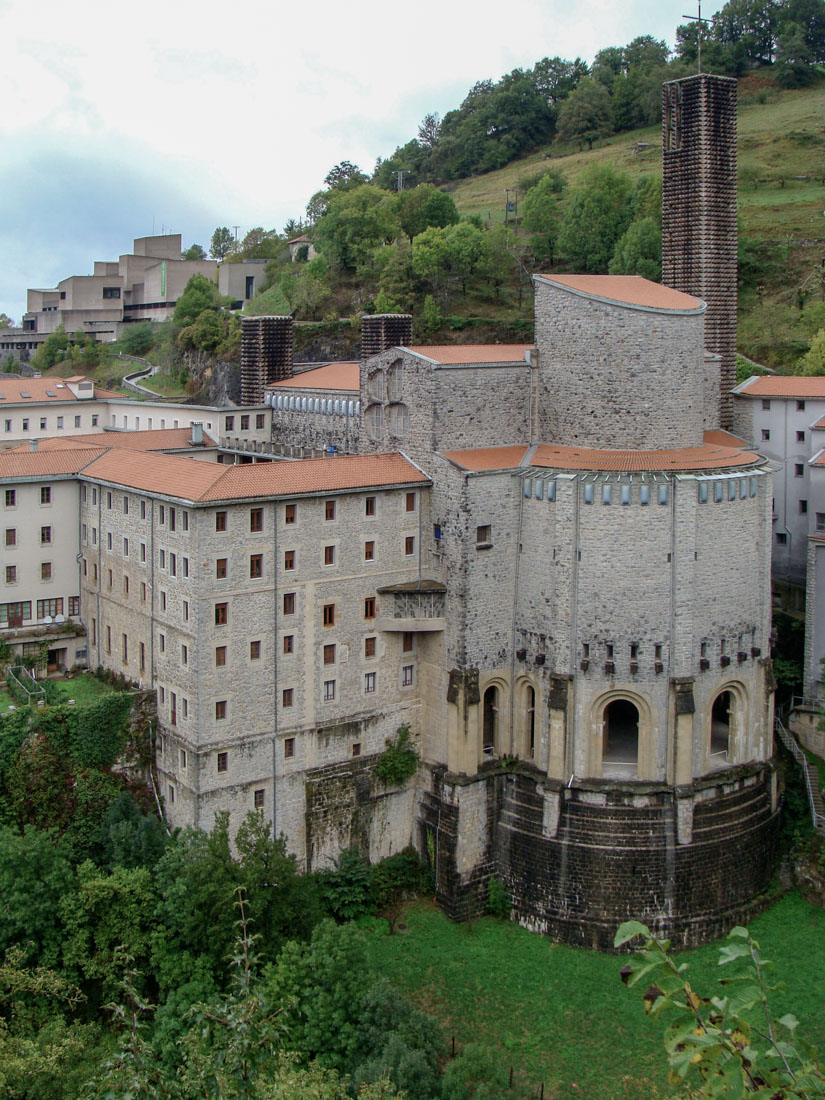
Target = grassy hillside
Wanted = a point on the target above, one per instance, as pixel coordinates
(781, 137)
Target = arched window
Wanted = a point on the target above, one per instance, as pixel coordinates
(721, 721)
(375, 421)
(303, 404)
(376, 386)
(395, 378)
(490, 722)
(400, 421)
(530, 722)
(337, 407)
(620, 740)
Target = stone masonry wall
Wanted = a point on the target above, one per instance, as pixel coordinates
(616, 376)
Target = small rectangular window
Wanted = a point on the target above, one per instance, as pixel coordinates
(369, 647)
(484, 535)
(803, 507)
(254, 651)
(289, 603)
(220, 655)
(289, 559)
(607, 494)
(229, 423)
(407, 641)
(766, 435)
(289, 747)
(798, 469)
(45, 535)
(223, 761)
(184, 655)
(820, 521)
(329, 509)
(369, 682)
(11, 574)
(220, 521)
(765, 404)
(588, 492)
(256, 519)
(703, 491)
(356, 748)
(625, 494)
(407, 675)
(162, 599)
(409, 502)
(259, 800)
(409, 545)
(221, 614)
(126, 548)
(287, 697)
(289, 643)
(11, 536)
(256, 565)
(329, 555)
(800, 437)
(369, 607)
(245, 422)
(329, 654)
(369, 506)
(663, 494)
(45, 494)
(781, 538)
(220, 569)
(290, 513)
(220, 709)
(329, 614)
(162, 514)
(329, 690)
(259, 421)
(369, 551)
(800, 406)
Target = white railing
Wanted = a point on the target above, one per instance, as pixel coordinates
(814, 797)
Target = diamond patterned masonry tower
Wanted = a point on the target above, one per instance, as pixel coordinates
(380, 331)
(266, 355)
(699, 246)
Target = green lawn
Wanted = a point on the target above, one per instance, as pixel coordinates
(560, 1015)
(83, 688)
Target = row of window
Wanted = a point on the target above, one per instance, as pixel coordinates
(736, 487)
(327, 406)
(258, 797)
(260, 422)
(46, 572)
(10, 536)
(44, 423)
(766, 404)
(12, 614)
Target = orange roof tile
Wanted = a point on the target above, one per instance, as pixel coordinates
(820, 424)
(28, 463)
(783, 385)
(12, 390)
(315, 475)
(488, 458)
(332, 376)
(723, 439)
(470, 354)
(154, 439)
(629, 290)
(174, 476)
(550, 456)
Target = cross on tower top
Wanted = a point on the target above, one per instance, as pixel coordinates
(699, 21)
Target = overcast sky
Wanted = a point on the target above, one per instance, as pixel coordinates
(168, 115)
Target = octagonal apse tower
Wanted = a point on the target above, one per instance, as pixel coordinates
(608, 624)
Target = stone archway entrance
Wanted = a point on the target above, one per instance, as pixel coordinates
(620, 740)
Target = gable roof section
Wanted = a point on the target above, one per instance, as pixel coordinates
(152, 439)
(782, 385)
(469, 355)
(627, 290)
(211, 482)
(38, 389)
(332, 376)
(23, 462)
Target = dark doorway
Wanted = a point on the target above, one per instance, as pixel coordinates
(620, 739)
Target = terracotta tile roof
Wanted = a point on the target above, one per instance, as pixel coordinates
(783, 385)
(23, 462)
(819, 460)
(12, 390)
(707, 457)
(315, 475)
(488, 458)
(723, 438)
(469, 354)
(332, 376)
(155, 439)
(820, 425)
(102, 395)
(630, 290)
(547, 455)
(175, 476)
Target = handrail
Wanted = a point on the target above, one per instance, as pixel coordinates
(793, 748)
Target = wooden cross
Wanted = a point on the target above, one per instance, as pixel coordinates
(699, 21)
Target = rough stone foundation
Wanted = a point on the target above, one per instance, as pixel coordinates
(689, 861)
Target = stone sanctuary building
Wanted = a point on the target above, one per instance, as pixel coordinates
(549, 562)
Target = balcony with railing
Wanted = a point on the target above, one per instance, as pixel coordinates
(413, 607)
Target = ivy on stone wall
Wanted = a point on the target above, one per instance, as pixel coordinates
(399, 760)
